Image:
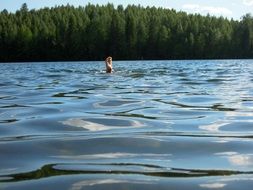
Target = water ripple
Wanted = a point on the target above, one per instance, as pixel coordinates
(148, 125)
(119, 169)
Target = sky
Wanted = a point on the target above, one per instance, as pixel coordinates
(228, 8)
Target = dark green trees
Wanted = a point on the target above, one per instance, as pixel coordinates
(134, 32)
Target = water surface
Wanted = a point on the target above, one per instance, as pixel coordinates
(150, 124)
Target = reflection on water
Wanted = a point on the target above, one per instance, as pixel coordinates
(213, 185)
(238, 159)
(215, 127)
(83, 184)
(241, 160)
(149, 125)
(100, 124)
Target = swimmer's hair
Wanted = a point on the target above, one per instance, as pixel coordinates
(109, 57)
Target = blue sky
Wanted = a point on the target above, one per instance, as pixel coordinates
(227, 8)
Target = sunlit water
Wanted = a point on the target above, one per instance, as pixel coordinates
(149, 125)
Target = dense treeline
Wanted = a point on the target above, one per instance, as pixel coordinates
(134, 32)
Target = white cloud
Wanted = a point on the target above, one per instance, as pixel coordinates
(217, 11)
(191, 6)
(248, 2)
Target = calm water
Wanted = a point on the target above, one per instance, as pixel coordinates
(149, 125)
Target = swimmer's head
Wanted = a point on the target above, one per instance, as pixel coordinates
(109, 58)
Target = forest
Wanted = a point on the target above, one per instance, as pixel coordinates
(92, 32)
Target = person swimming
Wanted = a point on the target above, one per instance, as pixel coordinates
(108, 64)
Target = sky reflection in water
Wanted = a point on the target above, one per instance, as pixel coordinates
(150, 124)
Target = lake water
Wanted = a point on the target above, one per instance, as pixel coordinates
(149, 125)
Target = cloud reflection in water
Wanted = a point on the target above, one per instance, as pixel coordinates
(81, 184)
(92, 126)
(213, 185)
(237, 159)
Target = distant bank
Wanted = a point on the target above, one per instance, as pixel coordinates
(133, 33)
